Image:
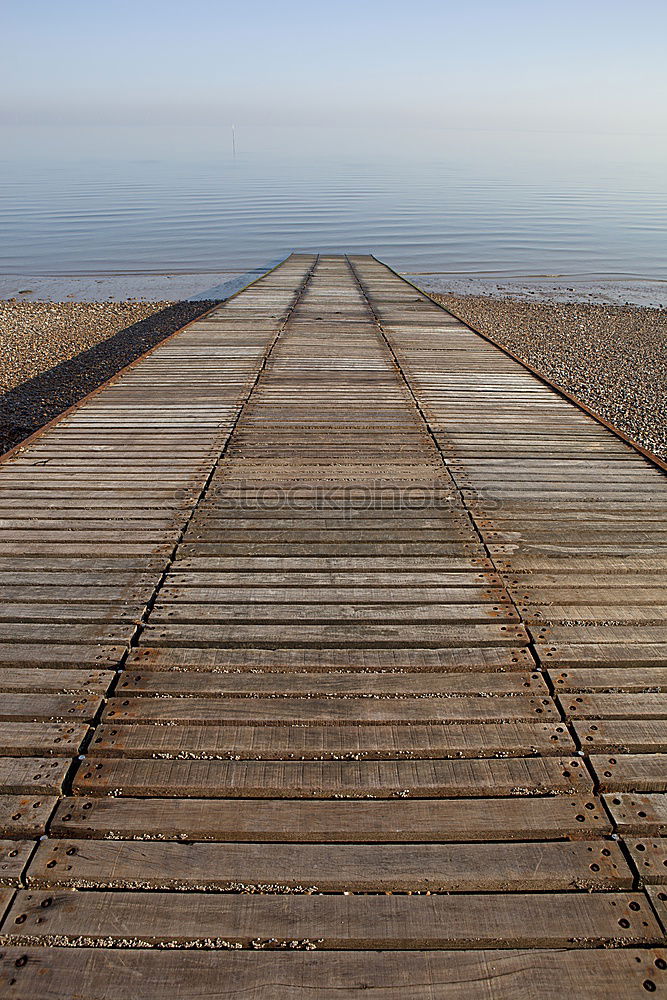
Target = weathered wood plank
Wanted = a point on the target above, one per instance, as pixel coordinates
(327, 659)
(298, 742)
(44, 679)
(49, 592)
(249, 563)
(298, 821)
(83, 614)
(331, 684)
(32, 707)
(329, 596)
(631, 772)
(61, 655)
(14, 856)
(24, 815)
(432, 583)
(635, 813)
(328, 711)
(658, 898)
(32, 775)
(629, 679)
(363, 550)
(600, 614)
(29, 738)
(212, 616)
(594, 595)
(214, 534)
(623, 735)
(331, 867)
(332, 778)
(622, 634)
(60, 633)
(41, 549)
(354, 635)
(649, 856)
(590, 654)
(223, 975)
(186, 920)
(89, 581)
(614, 706)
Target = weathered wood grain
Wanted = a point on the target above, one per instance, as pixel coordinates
(332, 778)
(327, 659)
(631, 772)
(14, 856)
(649, 856)
(330, 868)
(615, 706)
(147, 682)
(634, 813)
(298, 821)
(25, 815)
(506, 974)
(32, 707)
(623, 735)
(359, 635)
(181, 919)
(658, 898)
(328, 711)
(628, 679)
(343, 742)
(32, 775)
(65, 655)
(59, 739)
(590, 653)
(30, 679)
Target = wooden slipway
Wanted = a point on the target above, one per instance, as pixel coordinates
(333, 660)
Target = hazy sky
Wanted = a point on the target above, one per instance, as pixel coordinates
(585, 65)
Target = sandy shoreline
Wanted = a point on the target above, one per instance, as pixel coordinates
(614, 291)
(152, 287)
(613, 358)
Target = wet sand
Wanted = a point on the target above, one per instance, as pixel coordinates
(133, 287)
(589, 289)
(151, 287)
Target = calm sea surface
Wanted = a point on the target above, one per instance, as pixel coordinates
(149, 201)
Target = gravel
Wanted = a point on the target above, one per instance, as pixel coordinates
(54, 353)
(612, 358)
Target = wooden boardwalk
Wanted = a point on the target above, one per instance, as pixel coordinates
(334, 655)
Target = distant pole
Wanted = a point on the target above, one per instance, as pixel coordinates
(233, 141)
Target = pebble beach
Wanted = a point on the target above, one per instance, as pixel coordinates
(611, 357)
